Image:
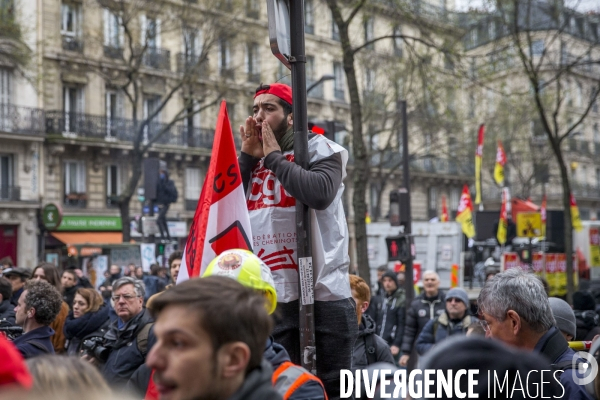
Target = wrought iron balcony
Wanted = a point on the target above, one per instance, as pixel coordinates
(113, 52)
(190, 63)
(71, 43)
(10, 193)
(157, 58)
(76, 200)
(584, 190)
(21, 120)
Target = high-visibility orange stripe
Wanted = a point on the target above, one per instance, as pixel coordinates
(302, 379)
(285, 365)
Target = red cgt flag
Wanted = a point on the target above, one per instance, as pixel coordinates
(221, 221)
(444, 210)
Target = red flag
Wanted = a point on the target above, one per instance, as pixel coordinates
(444, 210)
(221, 221)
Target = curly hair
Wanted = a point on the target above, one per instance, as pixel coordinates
(45, 299)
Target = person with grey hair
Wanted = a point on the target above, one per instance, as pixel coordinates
(36, 308)
(514, 309)
(129, 338)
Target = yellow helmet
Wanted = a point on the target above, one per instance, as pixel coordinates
(247, 269)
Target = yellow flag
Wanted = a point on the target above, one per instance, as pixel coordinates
(500, 162)
(465, 213)
(575, 219)
(502, 223)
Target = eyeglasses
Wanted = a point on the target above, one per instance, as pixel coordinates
(484, 324)
(455, 299)
(125, 297)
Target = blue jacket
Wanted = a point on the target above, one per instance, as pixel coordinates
(439, 329)
(551, 343)
(91, 324)
(276, 355)
(36, 342)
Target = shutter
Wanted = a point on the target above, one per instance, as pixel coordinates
(158, 33)
(143, 28)
(106, 27)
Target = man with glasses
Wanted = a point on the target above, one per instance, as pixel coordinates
(515, 309)
(129, 337)
(455, 320)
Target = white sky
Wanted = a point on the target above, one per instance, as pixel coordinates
(580, 5)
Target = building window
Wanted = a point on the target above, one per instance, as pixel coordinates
(253, 9)
(150, 29)
(338, 82)
(398, 41)
(374, 200)
(5, 86)
(454, 200)
(114, 112)
(192, 44)
(74, 183)
(6, 177)
(113, 184)
(151, 104)
(225, 58)
(369, 32)
(193, 185)
(73, 107)
(537, 47)
(433, 203)
(335, 29)
(253, 62)
(309, 24)
(70, 27)
(370, 80)
(191, 123)
(473, 36)
(113, 35)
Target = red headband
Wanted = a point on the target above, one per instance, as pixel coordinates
(284, 92)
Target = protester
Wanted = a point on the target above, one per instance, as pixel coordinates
(106, 287)
(69, 283)
(129, 337)
(152, 283)
(49, 273)
(455, 320)
(382, 269)
(166, 194)
(174, 265)
(82, 280)
(17, 277)
(515, 309)
(564, 317)
(388, 313)
(423, 308)
(5, 263)
(267, 156)
(7, 309)
(37, 307)
(223, 327)
(130, 270)
(139, 273)
(584, 308)
(67, 378)
(368, 348)
(89, 319)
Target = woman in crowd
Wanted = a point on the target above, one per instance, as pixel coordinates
(49, 273)
(88, 319)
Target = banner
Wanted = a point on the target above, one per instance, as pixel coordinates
(575, 219)
(444, 217)
(500, 162)
(465, 213)
(221, 220)
(544, 216)
(478, 157)
(502, 223)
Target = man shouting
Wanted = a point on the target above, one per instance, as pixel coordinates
(273, 183)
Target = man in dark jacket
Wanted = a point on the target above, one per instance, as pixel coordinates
(70, 284)
(37, 307)
(587, 320)
(166, 193)
(7, 309)
(423, 308)
(515, 309)
(17, 277)
(388, 314)
(129, 337)
(454, 321)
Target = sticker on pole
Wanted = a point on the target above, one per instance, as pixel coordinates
(306, 281)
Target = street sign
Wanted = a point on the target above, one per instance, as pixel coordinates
(51, 216)
(278, 12)
(529, 224)
(398, 248)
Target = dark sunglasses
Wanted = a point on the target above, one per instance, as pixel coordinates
(456, 299)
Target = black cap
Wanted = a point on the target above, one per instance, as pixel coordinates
(392, 275)
(20, 271)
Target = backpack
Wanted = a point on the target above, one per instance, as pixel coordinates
(142, 338)
(172, 194)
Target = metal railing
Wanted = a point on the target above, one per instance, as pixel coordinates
(157, 58)
(191, 63)
(113, 52)
(10, 193)
(72, 44)
(22, 120)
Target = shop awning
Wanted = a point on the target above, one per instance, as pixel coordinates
(75, 238)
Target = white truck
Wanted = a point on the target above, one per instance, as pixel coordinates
(438, 246)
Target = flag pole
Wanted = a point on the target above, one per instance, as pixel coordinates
(305, 267)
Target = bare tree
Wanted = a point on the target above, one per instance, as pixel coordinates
(141, 61)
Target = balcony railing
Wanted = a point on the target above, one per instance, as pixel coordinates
(583, 190)
(113, 52)
(157, 58)
(22, 120)
(76, 200)
(10, 193)
(190, 63)
(72, 44)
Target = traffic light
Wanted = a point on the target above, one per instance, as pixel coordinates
(160, 249)
(325, 128)
(399, 211)
(398, 248)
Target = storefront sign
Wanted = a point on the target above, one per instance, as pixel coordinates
(90, 223)
(51, 216)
